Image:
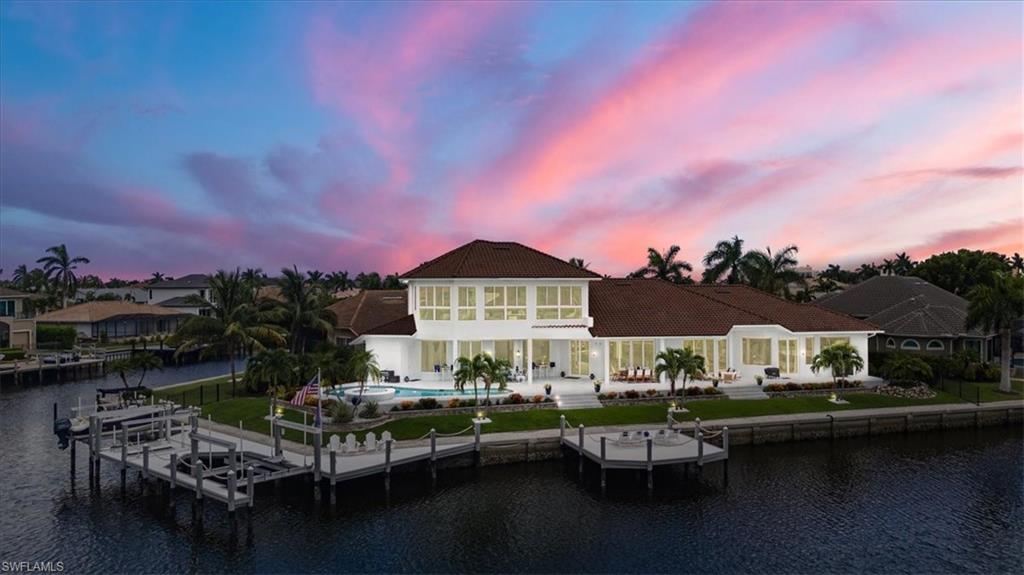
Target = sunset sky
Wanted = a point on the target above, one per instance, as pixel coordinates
(184, 137)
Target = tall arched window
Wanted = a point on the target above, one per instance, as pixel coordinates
(890, 343)
(910, 344)
(935, 345)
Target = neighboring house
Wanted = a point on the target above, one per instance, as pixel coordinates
(176, 293)
(358, 314)
(131, 294)
(549, 318)
(115, 319)
(915, 315)
(17, 328)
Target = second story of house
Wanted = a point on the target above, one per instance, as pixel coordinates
(13, 303)
(499, 290)
(181, 288)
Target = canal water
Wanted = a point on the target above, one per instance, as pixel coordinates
(949, 502)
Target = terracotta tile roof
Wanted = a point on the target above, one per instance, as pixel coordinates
(651, 307)
(369, 309)
(776, 310)
(93, 311)
(485, 259)
(401, 326)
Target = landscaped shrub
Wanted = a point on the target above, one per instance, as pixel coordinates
(454, 402)
(989, 373)
(632, 394)
(775, 387)
(792, 386)
(712, 390)
(407, 405)
(694, 390)
(602, 396)
(612, 395)
(370, 410)
(55, 336)
(514, 399)
(467, 403)
(311, 400)
(538, 399)
(428, 403)
(548, 400)
(341, 412)
(651, 392)
(12, 354)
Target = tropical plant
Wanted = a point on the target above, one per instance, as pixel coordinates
(841, 359)
(140, 363)
(494, 372)
(903, 264)
(59, 268)
(468, 370)
(665, 266)
(156, 277)
(233, 325)
(304, 309)
(906, 369)
(994, 308)
(960, 271)
(771, 272)
(674, 362)
(341, 412)
(371, 410)
(1017, 264)
(867, 271)
(725, 259)
(338, 281)
(273, 367)
(363, 366)
(824, 285)
(578, 262)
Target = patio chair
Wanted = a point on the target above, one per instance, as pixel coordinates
(371, 441)
(631, 375)
(335, 443)
(646, 375)
(385, 438)
(350, 445)
(771, 372)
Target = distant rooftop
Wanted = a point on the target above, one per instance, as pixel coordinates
(486, 259)
(196, 281)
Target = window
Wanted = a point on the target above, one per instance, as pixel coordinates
(579, 357)
(631, 353)
(435, 302)
(890, 343)
(470, 349)
(506, 349)
(702, 347)
(565, 302)
(541, 352)
(757, 351)
(787, 355)
(935, 345)
(830, 341)
(723, 354)
(467, 303)
(910, 344)
(505, 302)
(808, 350)
(433, 354)
(7, 308)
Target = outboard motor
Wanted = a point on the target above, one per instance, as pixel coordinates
(62, 429)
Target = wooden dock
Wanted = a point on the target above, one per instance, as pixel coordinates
(644, 450)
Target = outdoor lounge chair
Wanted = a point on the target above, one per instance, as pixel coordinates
(371, 441)
(385, 438)
(630, 375)
(771, 372)
(335, 443)
(350, 445)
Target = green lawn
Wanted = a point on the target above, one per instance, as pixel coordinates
(252, 410)
(191, 395)
(985, 392)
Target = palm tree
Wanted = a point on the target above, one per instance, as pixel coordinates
(1016, 264)
(273, 366)
(234, 323)
(866, 271)
(665, 266)
(140, 362)
(727, 257)
(494, 372)
(156, 277)
(841, 359)
(363, 366)
(469, 371)
(578, 262)
(253, 279)
(60, 269)
(903, 265)
(824, 285)
(338, 281)
(316, 277)
(888, 267)
(22, 278)
(994, 307)
(771, 272)
(304, 308)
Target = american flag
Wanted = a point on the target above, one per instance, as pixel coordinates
(313, 387)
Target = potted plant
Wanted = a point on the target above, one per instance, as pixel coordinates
(714, 381)
(597, 386)
(547, 388)
(759, 379)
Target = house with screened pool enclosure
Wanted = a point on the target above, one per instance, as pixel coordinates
(552, 320)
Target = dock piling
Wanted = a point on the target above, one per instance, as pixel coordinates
(581, 450)
(250, 485)
(603, 456)
(433, 453)
(174, 472)
(700, 450)
(145, 463)
(650, 463)
(387, 464)
(124, 456)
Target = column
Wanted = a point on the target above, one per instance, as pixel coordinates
(529, 361)
(607, 362)
(659, 347)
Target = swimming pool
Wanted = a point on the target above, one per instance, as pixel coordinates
(415, 392)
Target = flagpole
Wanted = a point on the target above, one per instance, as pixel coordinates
(319, 400)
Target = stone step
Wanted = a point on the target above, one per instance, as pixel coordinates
(583, 401)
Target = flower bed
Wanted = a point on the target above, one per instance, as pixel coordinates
(917, 392)
(793, 389)
(633, 396)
